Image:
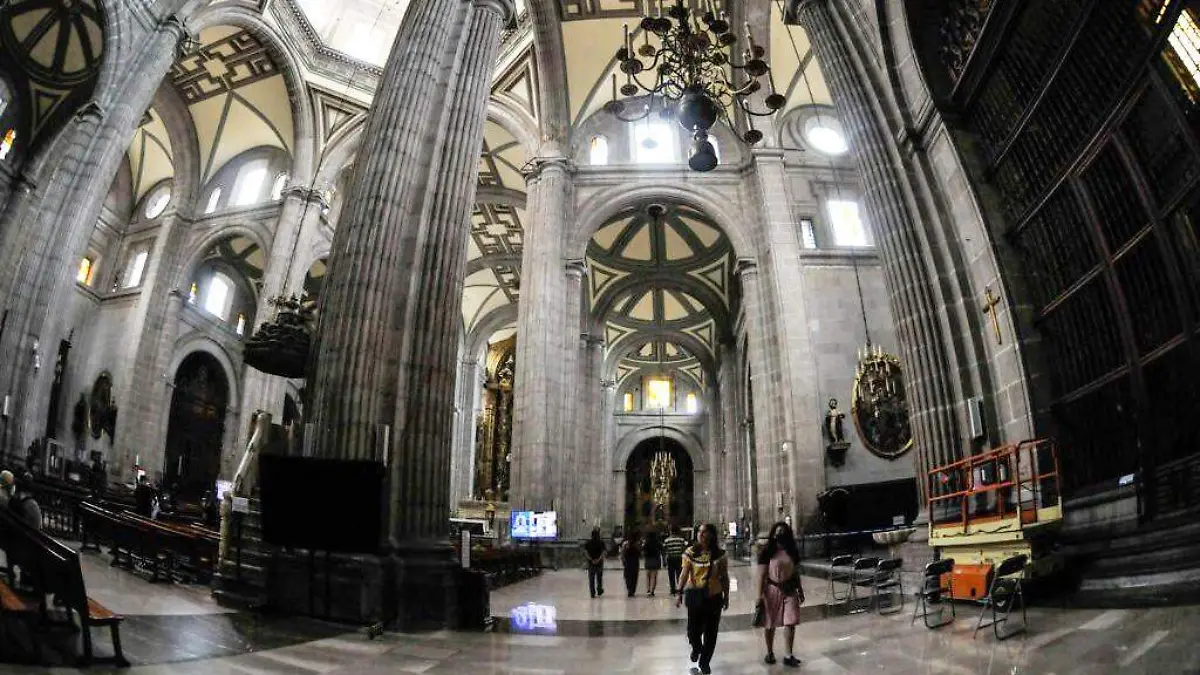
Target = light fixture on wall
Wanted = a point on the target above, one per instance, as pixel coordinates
(878, 403)
(694, 76)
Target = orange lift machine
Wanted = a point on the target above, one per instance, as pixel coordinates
(989, 507)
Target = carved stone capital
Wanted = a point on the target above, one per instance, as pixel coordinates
(506, 9)
(535, 167)
(745, 267)
(306, 193)
(186, 42)
(576, 268)
(91, 111)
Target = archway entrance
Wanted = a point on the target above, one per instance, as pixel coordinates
(197, 423)
(659, 482)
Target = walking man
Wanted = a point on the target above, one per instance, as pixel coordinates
(594, 549)
(673, 547)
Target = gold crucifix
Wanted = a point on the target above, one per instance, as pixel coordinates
(989, 307)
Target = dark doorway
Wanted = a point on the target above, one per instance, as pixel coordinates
(196, 426)
(643, 510)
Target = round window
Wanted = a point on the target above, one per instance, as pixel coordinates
(824, 134)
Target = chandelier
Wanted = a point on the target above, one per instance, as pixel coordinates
(878, 404)
(695, 76)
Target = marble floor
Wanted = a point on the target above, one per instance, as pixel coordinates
(549, 625)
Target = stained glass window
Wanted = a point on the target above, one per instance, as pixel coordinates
(1183, 57)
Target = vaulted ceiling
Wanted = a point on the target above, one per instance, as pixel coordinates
(151, 158)
(659, 283)
(236, 96)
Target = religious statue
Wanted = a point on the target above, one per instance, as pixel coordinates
(833, 423)
(245, 479)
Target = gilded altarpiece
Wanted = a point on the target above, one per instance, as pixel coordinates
(493, 426)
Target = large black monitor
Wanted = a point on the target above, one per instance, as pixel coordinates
(321, 504)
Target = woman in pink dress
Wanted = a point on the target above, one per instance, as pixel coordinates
(779, 590)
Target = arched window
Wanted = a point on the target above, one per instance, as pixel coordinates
(627, 402)
(135, 268)
(598, 151)
(847, 225)
(654, 143)
(658, 394)
(219, 297)
(250, 183)
(157, 202)
(693, 405)
(241, 324)
(277, 187)
(6, 144)
(86, 269)
(213, 198)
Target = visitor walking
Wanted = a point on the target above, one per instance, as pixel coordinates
(631, 552)
(653, 552)
(705, 584)
(594, 549)
(673, 547)
(779, 590)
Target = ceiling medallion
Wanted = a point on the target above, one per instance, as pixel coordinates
(693, 66)
(878, 404)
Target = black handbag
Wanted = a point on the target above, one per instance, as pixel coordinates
(760, 614)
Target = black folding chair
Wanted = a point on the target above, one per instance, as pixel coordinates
(1003, 595)
(934, 591)
(862, 572)
(887, 583)
(840, 573)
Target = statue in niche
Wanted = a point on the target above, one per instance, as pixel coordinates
(834, 428)
(835, 433)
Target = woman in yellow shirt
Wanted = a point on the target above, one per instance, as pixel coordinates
(705, 583)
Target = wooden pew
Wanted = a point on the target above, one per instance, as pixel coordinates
(165, 547)
(50, 568)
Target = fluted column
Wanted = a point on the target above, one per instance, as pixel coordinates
(386, 348)
(44, 232)
(540, 386)
(572, 458)
(893, 217)
(300, 212)
(462, 460)
(592, 402)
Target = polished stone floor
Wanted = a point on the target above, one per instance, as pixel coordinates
(549, 625)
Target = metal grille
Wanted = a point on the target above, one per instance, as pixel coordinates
(1083, 342)
(1057, 247)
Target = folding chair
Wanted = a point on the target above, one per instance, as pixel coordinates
(840, 573)
(934, 591)
(1003, 594)
(861, 572)
(886, 583)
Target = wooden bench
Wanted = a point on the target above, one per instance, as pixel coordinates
(49, 568)
(167, 548)
(14, 605)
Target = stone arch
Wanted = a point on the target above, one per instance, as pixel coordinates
(494, 320)
(604, 205)
(197, 341)
(694, 346)
(289, 68)
(690, 442)
(251, 231)
(185, 149)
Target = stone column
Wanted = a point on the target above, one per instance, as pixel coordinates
(590, 420)
(726, 412)
(764, 415)
(612, 484)
(893, 218)
(462, 460)
(786, 320)
(572, 460)
(44, 233)
(143, 401)
(300, 211)
(387, 344)
(540, 388)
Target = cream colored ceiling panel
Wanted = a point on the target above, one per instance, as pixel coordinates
(638, 247)
(23, 23)
(644, 309)
(473, 251)
(478, 301)
(482, 277)
(590, 48)
(207, 116)
(676, 247)
(270, 98)
(608, 234)
(673, 310)
(707, 234)
(502, 335)
(242, 130)
(150, 155)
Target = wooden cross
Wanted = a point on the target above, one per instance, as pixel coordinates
(989, 307)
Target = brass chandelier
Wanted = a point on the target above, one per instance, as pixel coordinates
(695, 76)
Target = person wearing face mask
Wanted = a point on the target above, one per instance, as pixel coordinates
(779, 590)
(705, 584)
